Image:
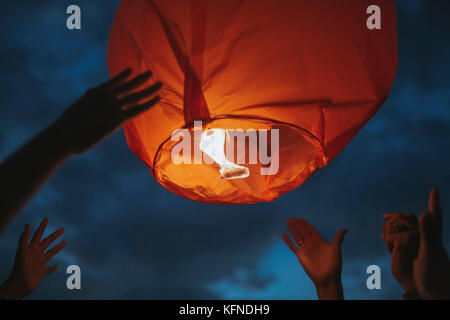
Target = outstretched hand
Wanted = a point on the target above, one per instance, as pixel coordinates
(96, 115)
(432, 267)
(30, 262)
(401, 234)
(321, 260)
(103, 109)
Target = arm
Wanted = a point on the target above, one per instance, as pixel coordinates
(23, 173)
(96, 115)
(30, 263)
(322, 261)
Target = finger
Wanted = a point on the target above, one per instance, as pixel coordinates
(138, 96)
(394, 237)
(298, 237)
(117, 79)
(134, 111)
(339, 237)
(387, 216)
(47, 241)
(403, 222)
(402, 237)
(302, 228)
(390, 214)
(384, 231)
(23, 240)
(311, 230)
(133, 83)
(289, 243)
(433, 201)
(50, 253)
(51, 269)
(39, 232)
(400, 224)
(408, 215)
(434, 207)
(409, 221)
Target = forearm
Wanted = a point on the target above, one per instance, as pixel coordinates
(330, 290)
(24, 172)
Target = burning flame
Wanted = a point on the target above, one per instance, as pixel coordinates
(212, 143)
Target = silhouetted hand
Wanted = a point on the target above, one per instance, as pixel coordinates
(432, 267)
(30, 263)
(401, 234)
(97, 114)
(104, 109)
(322, 261)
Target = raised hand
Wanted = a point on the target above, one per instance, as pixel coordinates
(401, 234)
(97, 114)
(432, 267)
(30, 265)
(322, 261)
(104, 109)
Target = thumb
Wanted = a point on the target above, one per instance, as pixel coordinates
(339, 237)
(434, 207)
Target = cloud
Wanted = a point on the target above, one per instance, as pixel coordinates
(134, 239)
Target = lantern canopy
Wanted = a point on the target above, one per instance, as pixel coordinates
(257, 94)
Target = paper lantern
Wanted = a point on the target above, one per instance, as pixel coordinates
(286, 83)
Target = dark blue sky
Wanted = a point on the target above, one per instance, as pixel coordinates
(134, 239)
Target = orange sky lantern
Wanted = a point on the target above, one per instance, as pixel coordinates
(257, 94)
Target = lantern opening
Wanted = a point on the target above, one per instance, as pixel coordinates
(207, 172)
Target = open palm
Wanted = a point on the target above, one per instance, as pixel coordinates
(30, 265)
(321, 260)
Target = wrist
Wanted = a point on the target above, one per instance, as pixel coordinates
(330, 289)
(407, 283)
(60, 139)
(9, 291)
(412, 295)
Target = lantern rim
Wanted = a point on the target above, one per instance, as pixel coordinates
(316, 152)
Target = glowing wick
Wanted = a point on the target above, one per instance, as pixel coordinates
(212, 143)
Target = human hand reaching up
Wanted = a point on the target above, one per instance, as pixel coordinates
(30, 262)
(321, 260)
(432, 267)
(401, 234)
(103, 109)
(92, 118)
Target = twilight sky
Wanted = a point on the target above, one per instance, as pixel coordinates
(133, 239)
